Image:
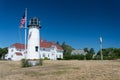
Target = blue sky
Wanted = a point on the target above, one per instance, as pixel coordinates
(77, 22)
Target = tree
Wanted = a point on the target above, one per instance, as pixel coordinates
(63, 45)
(92, 51)
(110, 53)
(89, 56)
(3, 52)
(86, 49)
(57, 43)
(67, 48)
(0, 53)
(116, 52)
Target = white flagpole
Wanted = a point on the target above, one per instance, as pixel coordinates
(101, 47)
(25, 31)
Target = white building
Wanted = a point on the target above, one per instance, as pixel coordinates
(48, 50)
(78, 52)
(15, 52)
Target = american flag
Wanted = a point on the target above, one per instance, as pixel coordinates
(23, 20)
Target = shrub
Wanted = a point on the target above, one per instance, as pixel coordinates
(89, 56)
(108, 58)
(46, 58)
(67, 57)
(74, 57)
(59, 58)
(25, 63)
(40, 62)
(81, 57)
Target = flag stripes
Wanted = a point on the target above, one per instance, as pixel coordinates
(23, 20)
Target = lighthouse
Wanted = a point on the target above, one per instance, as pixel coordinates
(33, 47)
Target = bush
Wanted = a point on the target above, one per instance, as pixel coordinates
(81, 57)
(67, 57)
(25, 63)
(46, 58)
(97, 58)
(89, 56)
(40, 62)
(74, 57)
(78, 57)
(59, 59)
(108, 58)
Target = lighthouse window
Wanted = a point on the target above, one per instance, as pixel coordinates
(31, 21)
(36, 48)
(35, 21)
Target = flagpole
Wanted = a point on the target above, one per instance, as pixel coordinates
(101, 47)
(101, 51)
(25, 30)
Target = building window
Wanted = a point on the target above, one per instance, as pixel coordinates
(53, 47)
(60, 56)
(20, 50)
(11, 56)
(12, 50)
(48, 55)
(43, 55)
(36, 48)
(43, 49)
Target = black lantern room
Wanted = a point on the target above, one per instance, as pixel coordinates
(34, 22)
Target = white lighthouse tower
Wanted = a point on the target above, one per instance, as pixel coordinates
(33, 47)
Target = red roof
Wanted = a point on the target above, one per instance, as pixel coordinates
(58, 47)
(18, 46)
(18, 53)
(43, 44)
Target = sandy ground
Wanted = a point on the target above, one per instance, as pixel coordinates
(62, 70)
